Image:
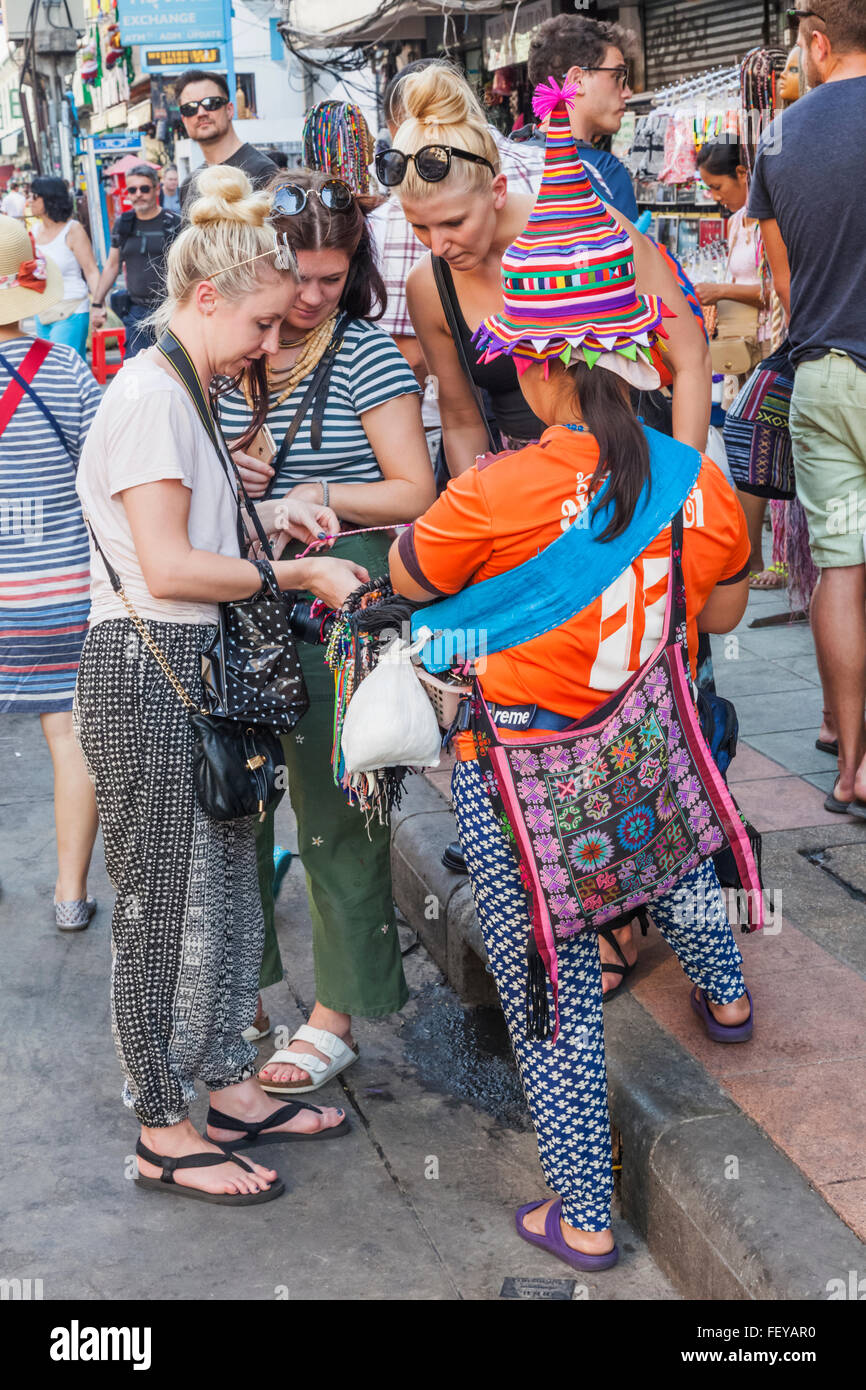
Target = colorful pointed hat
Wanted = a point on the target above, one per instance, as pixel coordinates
(568, 282)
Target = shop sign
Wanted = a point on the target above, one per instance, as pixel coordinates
(502, 48)
(159, 22)
(176, 59)
(108, 144)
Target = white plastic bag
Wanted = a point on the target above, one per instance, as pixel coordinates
(390, 720)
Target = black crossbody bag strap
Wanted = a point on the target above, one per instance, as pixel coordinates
(448, 298)
(175, 352)
(317, 392)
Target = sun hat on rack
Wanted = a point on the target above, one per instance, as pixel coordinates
(568, 280)
(29, 281)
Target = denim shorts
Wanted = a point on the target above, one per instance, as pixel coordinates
(828, 434)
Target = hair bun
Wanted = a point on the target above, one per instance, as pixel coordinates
(439, 95)
(225, 194)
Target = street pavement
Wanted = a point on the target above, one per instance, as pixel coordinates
(416, 1203)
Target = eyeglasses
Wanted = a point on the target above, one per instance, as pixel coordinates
(189, 108)
(432, 163)
(140, 187)
(621, 73)
(290, 198)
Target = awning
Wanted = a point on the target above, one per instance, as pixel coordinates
(343, 23)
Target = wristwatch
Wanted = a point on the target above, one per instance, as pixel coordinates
(325, 492)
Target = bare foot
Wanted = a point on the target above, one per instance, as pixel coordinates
(767, 579)
(610, 979)
(178, 1141)
(249, 1102)
(587, 1242)
(283, 1074)
(730, 1014)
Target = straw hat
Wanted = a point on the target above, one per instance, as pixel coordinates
(568, 280)
(29, 281)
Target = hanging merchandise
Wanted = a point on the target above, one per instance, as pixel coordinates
(337, 140)
(680, 163)
(363, 629)
(623, 140)
(113, 46)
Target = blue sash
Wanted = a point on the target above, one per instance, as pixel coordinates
(559, 582)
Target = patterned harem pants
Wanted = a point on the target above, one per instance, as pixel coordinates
(566, 1083)
(187, 930)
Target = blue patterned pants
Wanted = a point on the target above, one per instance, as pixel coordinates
(566, 1083)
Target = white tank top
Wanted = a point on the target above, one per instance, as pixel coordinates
(74, 283)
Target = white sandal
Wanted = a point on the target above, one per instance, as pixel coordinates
(320, 1072)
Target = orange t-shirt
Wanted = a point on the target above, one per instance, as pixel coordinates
(501, 513)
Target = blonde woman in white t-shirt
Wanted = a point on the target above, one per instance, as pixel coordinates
(187, 927)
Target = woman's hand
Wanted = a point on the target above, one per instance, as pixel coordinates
(305, 492)
(98, 316)
(285, 520)
(709, 293)
(306, 521)
(255, 472)
(334, 580)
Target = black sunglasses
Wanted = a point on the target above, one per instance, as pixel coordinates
(189, 108)
(290, 198)
(140, 187)
(432, 163)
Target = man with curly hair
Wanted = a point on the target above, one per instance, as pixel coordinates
(594, 56)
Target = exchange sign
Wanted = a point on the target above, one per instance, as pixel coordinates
(169, 23)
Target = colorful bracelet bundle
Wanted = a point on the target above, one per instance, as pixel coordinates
(337, 140)
(369, 619)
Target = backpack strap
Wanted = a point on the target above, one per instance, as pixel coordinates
(20, 383)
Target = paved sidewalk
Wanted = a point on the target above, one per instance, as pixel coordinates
(417, 1203)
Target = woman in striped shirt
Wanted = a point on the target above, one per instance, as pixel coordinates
(358, 444)
(44, 561)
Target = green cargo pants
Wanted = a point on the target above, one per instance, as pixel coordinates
(356, 950)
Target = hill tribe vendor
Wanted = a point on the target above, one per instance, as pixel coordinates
(579, 336)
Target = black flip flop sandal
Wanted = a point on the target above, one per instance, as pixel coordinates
(169, 1166)
(623, 970)
(257, 1132)
(833, 803)
(826, 745)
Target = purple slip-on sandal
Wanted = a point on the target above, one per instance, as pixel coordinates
(554, 1241)
(721, 1032)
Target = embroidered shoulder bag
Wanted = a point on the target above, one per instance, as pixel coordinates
(612, 812)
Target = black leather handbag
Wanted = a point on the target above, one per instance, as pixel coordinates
(238, 766)
(251, 671)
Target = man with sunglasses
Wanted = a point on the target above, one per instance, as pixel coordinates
(139, 242)
(591, 54)
(807, 194)
(207, 112)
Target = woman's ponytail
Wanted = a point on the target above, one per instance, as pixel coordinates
(623, 451)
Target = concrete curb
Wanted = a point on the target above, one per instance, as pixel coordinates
(725, 1214)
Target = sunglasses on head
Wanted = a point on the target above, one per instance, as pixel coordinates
(432, 163)
(189, 108)
(794, 17)
(290, 198)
